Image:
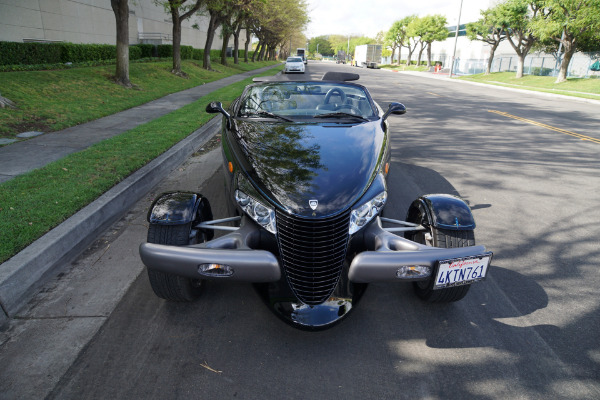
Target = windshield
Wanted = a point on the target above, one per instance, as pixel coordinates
(306, 100)
(294, 59)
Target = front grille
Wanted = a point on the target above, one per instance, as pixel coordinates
(313, 253)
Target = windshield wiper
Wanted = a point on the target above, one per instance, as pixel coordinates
(341, 115)
(266, 114)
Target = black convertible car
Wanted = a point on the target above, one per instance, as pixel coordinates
(305, 167)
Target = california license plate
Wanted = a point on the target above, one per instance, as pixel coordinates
(462, 271)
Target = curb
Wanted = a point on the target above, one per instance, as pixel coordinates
(22, 275)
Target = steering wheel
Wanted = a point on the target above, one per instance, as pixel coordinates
(335, 91)
(353, 109)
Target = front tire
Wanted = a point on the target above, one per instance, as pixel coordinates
(443, 238)
(168, 286)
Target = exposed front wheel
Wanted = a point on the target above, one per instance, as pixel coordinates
(446, 239)
(169, 286)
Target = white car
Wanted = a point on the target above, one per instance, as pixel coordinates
(294, 64)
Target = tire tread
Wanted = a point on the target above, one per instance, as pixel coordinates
(445, 238)
(168, 286)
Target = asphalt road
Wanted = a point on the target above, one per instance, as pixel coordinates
(529, 331)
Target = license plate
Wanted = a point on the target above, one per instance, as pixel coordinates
(462, 271)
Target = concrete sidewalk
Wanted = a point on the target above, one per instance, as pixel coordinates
(21, 157)
(22, 275)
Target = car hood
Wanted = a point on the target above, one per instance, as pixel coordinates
(292, 164)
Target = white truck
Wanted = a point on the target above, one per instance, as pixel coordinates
(300, 52)
(367, 56)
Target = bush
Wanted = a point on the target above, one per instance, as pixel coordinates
(135, 53)
(164, 50)
(541, 71)
(198, 54)
(186, 52)
(14, 53)
(72, 52)
(34, 56)
(148, 50)
(241, 53)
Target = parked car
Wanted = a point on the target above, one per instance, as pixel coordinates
(305, 166)
(294, 64)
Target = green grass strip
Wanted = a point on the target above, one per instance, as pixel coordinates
(54, 100)
(34, 203)
(588, 88)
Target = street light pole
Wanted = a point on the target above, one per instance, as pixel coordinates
(348, 50)
(455, 39)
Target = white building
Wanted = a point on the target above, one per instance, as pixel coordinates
(93, 21)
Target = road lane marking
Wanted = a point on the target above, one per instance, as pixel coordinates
(577, 135)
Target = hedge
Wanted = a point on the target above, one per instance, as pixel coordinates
(19, 54)
(148, 50)
(198, 54)
(15, 53)
(30, 53)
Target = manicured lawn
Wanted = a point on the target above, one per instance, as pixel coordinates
(34, 203)
(53, 100)
(404, 67)
(578, 87)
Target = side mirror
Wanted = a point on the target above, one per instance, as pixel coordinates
(394, 108)
(215, 107)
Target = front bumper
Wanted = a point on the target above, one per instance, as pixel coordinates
(232, 250)
(386, 253)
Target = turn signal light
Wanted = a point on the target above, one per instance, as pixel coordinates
(413, 271)
(216, 270)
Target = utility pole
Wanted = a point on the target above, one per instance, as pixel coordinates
(455, 39)
(348, 50)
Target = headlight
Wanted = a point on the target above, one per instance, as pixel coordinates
(362, 215)
(264, 216)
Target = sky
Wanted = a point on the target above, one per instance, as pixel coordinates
(367, 17)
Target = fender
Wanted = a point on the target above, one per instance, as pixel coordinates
(443, 211)
(179, 208)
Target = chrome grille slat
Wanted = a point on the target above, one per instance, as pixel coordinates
(313, 254)
(315, 248)
(300, 263)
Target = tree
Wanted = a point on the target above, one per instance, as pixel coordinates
(430, 28)
(412, 37)
(322, 44)
(519, 15)
(575, 24)
(397, 35)
(218, 11)
(180, 10)
(233, 12)
(121, 10)
(490, 28)
(277, 22)
(392, 40)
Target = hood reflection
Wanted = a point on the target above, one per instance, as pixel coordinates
(292, 163)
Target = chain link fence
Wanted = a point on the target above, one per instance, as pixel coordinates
(582, 65)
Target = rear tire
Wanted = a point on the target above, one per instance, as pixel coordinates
(443, 238)
(168, 286)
